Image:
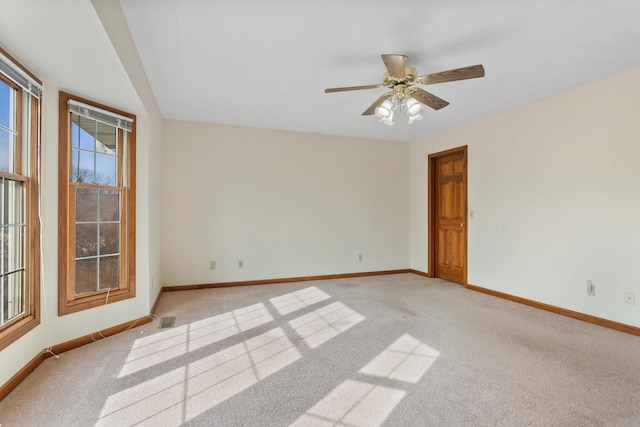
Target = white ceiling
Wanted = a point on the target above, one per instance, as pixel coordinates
(64, 44)
(266, 63)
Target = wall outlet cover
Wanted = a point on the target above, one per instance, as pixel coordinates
(591, 288)
(630, 298)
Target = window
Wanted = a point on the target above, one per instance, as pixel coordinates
(19, 223)
(96, 205)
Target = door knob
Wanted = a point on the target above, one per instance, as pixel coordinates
(462, 225)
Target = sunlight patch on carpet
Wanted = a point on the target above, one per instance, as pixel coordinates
(186, 392)
(166, 345)
(325, 323)
(363, 404)
(407, 359)
(293, 301)
(353, 403)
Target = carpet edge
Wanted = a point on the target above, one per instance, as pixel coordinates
(622, 327)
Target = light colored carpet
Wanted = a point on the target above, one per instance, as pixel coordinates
(396, 350)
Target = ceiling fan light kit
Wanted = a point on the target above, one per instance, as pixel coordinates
(406, 92)
(411, 106)
(386, 110)
(414, 109)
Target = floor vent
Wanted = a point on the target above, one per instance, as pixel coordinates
(167, 322)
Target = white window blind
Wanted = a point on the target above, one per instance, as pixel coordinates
(103, 116)
(21, 78)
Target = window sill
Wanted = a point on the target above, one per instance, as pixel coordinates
(12, 332)
(94, 300)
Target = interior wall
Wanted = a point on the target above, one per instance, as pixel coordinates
(149, 165)
(54, 329)
(287, 204)
(554, 188)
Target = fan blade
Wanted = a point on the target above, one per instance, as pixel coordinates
(429, 99)
(344, 89)
(471, 72)
(372, 108)
(396, 65)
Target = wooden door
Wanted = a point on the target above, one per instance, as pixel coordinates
(448, 172)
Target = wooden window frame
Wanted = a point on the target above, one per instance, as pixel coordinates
(68, 301)
(21, 325)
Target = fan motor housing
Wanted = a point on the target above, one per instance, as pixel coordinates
(411, 74)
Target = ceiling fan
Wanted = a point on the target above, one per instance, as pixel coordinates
(406, 92)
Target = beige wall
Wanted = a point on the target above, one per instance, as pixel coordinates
(287, 204)
(555, 188)
(55, 329)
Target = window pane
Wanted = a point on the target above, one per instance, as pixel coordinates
(16, 294)
(86, 275)
(110, 272)
(75, 132)
(6, 107)
(105, 169)
(4, 300)
(85, 168)
(5, 249)
(13, 200)
(13, 296)
(12, 251)
(6, 151)
(87, 132)
(86, 240)
(74, 165)
(106, 139)
(4, 235)
(8, 123)
(86, 204)
(109, 239)
(109, 205)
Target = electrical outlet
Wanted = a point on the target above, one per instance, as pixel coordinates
(212, 265)
(591, 288)
(240, 264)
(359, 257)
(630, 298)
